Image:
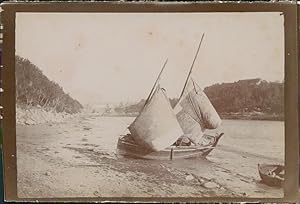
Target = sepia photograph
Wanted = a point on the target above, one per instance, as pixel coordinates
(150, 104)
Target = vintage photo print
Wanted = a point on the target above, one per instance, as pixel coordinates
(150, 104)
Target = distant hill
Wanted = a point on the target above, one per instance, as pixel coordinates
(244, 99)
(33, 88)
(246, 96)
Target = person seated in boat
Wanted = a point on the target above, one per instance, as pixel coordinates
(183, 141)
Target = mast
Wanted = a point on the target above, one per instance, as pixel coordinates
(155, 83)
(190, 72)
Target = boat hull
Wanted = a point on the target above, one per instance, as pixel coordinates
(129, 148)
(270, 180)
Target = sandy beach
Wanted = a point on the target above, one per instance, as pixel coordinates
(77, 158)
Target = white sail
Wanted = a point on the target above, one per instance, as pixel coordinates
(156, 127)
(195, 113)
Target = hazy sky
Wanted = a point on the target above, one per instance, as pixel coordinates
(112, 57)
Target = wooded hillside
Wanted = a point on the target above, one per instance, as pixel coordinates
(249, 99)
(33, 88)
(247, 95)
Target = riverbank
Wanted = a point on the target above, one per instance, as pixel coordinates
(38, 115)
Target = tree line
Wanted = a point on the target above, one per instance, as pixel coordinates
(247, 95)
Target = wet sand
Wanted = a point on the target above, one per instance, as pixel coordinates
(76, 158)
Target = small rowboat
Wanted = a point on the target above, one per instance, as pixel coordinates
(271, 174)
(129, 148)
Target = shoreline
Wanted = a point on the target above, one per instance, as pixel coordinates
(247, 116)
(224, 116)
(38, 115)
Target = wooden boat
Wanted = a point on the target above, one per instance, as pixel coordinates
(128, 147)
(158, 126)
(271, 174)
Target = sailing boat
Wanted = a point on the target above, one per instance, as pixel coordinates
(157, 127)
